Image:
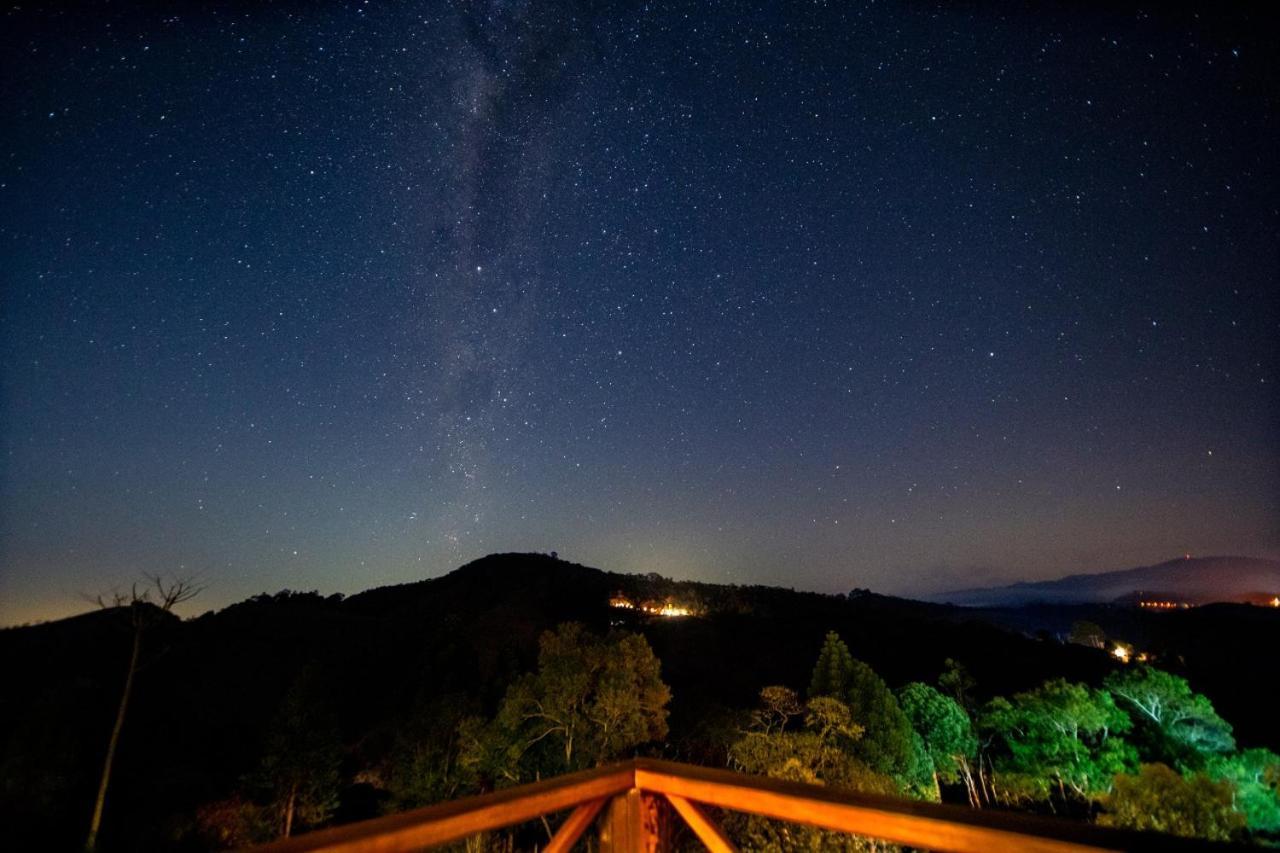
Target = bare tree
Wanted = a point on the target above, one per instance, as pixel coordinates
(146, 603)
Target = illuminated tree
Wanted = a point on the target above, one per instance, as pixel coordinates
(146, 606)
(1186, 721)
(591, 700)
(1060, 734)
(1158, 798)
(834, 669)
(886, 747)
(946, 733)
(820, 750)
(1255, 773)
(777, 706)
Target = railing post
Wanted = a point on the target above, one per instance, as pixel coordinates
(634, 823)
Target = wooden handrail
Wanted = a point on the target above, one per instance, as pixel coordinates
(933, 826)
(928, 825)
(457, 819)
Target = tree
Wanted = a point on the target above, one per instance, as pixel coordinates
(1188, 726)
(777, 706)
(834, 669)
(590, 701)
(946, 733)
(147, 606)
(819, 751)
(1060, 734)
(886, 747)
(299, 773)
(1255, 775)
(1160, 799)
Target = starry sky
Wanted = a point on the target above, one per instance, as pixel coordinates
(909, 296)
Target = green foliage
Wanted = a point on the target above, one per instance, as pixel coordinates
(1060, 733)
(1160, 799)
(834, 670)
(591, 700)
(299, 774)
(1186, 726)
(919, 779)
(886, 747)
(1255, 773)
(944, 728)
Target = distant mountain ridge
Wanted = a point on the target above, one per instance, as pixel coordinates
(1193, 580)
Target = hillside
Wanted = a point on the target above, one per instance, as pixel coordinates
(397, 658)
(1196, 580)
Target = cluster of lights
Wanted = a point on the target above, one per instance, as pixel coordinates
(1164, 605)
(1126, 654)
(667, 608)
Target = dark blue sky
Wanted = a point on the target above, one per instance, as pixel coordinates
(900, 295)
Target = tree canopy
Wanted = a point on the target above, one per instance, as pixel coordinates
(1255, 774)
(1189, 727)
(886, 746)
(1061, 733)
(834, 669)
(590, 701)
(1159, 798)
(943, 727)
(818, 749)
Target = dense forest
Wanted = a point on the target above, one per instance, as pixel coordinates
(292, 711)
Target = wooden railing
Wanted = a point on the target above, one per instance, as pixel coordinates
(634, 796)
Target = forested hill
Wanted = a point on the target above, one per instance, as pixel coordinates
(395, 659)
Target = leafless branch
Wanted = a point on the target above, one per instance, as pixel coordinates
(171, 593)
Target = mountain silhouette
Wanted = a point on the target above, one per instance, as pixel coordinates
(1193, 580)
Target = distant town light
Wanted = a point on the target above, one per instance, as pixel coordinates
(1164, 605)
(668, 609)
(1121, 654)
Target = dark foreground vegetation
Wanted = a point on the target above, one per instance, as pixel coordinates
(293, 711)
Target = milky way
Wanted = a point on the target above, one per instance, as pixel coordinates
(327, 296)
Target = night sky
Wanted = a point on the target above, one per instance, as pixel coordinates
(903, 296)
